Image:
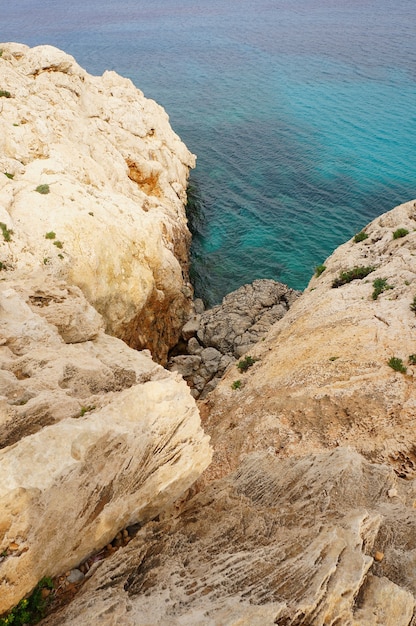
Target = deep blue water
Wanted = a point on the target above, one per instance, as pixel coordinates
(302, 114)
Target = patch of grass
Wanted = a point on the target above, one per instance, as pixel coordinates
(29, 610)
(61, 256)
(397, 365)
(360, 237)
(86, 409)
(58, 244)
(46, 260)
(413, 305)
(412, 359)
(7, 232)
(11, 176)
(353, 274)
(319, 269)
(5, 94)
(380, 285)
(236, 384)
(245, 363)
(400, 232)
(50, 235)
(1, 53)
(43, 189)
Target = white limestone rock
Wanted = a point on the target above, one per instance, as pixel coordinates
(116, 175)
(321, 377)
(94, 435)
(278, 542)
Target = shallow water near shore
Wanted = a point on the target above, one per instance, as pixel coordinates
(302, 115)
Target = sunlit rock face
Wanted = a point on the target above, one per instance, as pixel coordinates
(93, 162)
(308, 541)
(322, 376)
(94, 436)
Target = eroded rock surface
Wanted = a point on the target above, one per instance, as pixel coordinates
(94, 435)
(289, 542)
(322, 377)
(92, 184)
(217, 337)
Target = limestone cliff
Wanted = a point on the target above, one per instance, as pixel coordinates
(306, 517)
(94, 436)
(92, 184)
(321, 378)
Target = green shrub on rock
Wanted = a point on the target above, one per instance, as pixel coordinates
(353, 274)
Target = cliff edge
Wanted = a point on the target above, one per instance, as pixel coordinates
(93, 186)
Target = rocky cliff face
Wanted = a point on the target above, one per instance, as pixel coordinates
(92, 183)
(306, 517)
(322, 378)
(94, 436)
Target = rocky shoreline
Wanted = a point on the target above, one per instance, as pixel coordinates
(216, 338)
(285, 495)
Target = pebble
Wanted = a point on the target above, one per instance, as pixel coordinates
(378, 556)
(392, 493)
(75, 576)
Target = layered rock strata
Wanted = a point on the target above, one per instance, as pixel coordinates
(322, 376)
(93, 186)
(216, 338)
(295, 542)
(95, 436)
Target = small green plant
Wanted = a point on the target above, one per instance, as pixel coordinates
(412, 359)
(50, 235)
(360, 237)
(29, 610)
(9, 175)
(413, 305)
(380, 285)
(400, 232)
(353, 274)
(319, 269)
(245, 363)
(333, 358)
(5, 94)
(1, 53)
(397, 365)
(236, 384)
(86, 409)
(46, 260)
(61, 256)
(7, 232)
(43, 189)
(91, 213)
(58, 244)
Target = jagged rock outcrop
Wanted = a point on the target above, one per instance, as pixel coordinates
(92, 184)
(295, 542)
(94, 435)
(322, 377)
(217, 337)
(288, 526)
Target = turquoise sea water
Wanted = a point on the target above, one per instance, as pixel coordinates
(302, 114)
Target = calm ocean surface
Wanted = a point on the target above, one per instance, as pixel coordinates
(302, 114)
